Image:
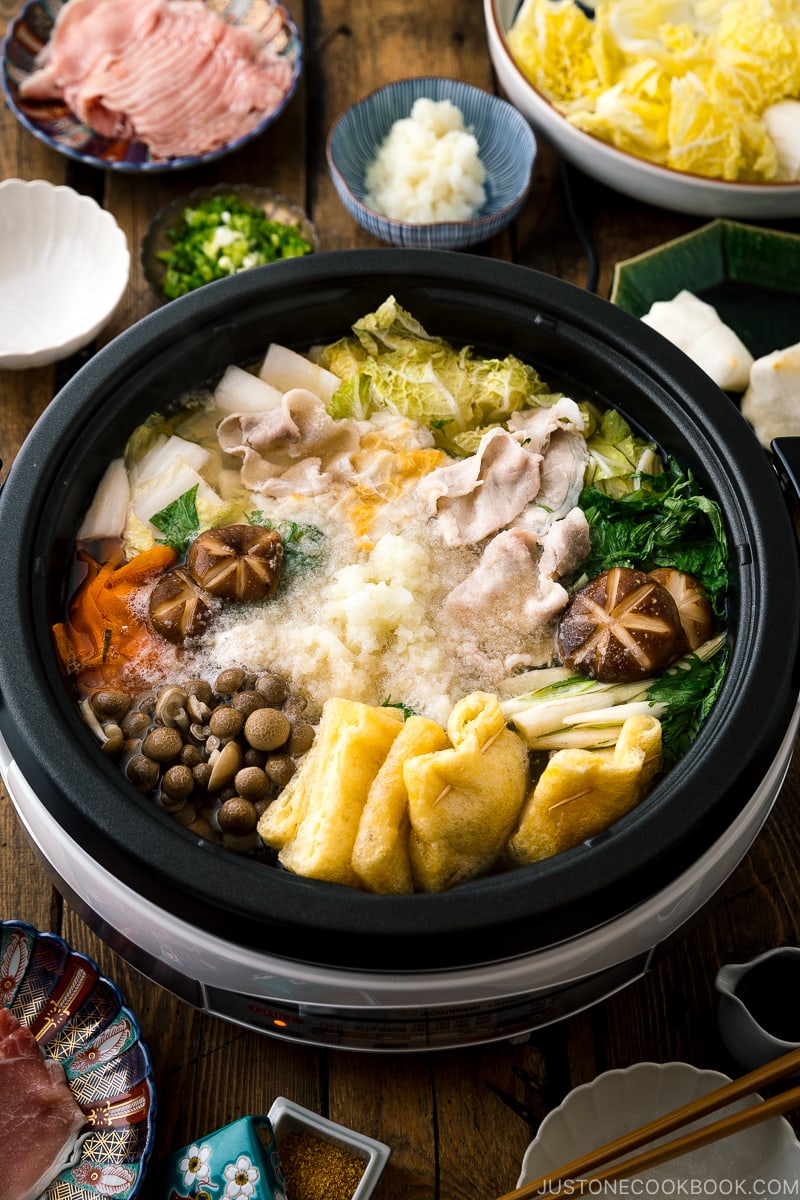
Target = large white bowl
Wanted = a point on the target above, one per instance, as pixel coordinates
(65, 266)
(617, 1102)
(646, 181)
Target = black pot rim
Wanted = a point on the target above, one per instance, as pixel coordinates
(498, 917)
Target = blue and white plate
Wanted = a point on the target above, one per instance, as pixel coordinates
(79, 1019)
(506, 146)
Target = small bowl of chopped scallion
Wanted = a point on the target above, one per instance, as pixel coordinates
(219, 231)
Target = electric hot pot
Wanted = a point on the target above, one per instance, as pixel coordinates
(319, 963)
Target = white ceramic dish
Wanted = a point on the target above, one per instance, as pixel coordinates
(618, 169)
(287, 1117)
(618, 1101)
(65, 266)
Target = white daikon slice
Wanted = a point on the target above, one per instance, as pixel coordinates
(239, 391)
(161, 454)
(109, 508)
(285, 369)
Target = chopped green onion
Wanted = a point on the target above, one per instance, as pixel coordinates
(221, 237)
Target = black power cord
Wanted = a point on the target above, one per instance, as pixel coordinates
(571, 181)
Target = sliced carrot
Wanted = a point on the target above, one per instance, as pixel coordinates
(141, 568)
(103, 634)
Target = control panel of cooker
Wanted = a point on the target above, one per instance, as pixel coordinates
(420, 1028)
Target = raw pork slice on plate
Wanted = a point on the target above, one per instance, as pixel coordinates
(40, 1120)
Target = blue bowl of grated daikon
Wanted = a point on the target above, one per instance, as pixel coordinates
(455, 171)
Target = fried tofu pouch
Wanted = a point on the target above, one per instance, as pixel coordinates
(314, 822)
(581, 792)
(464, 801)
(381, 853)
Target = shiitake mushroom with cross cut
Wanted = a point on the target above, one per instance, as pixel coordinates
(237, 562)
(622, 626)
(179, 608)
(694, 607)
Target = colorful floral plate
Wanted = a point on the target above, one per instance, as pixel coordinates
(79, 1018)
(54, 124)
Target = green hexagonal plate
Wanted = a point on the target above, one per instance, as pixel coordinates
(750, 275)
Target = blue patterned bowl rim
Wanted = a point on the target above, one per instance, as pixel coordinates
(65, 1187)
(437, 87)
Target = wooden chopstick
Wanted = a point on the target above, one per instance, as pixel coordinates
(737, 1089)
(704, 1136)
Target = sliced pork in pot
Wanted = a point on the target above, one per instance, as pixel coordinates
(517, 583)
(508, 480)
(40, 1120)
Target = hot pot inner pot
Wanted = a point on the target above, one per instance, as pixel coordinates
(580, 344)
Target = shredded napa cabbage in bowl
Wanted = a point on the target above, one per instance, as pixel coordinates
(688, 84)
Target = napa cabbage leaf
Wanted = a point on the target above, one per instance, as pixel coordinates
(390, 361)
(617, 456)
(679, 82)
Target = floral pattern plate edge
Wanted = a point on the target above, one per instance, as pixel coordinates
(79, 1018)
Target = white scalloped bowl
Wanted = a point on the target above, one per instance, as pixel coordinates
(618, 1101)
(65, 264)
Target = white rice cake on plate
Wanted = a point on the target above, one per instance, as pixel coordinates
(772, 401)
(697, 329)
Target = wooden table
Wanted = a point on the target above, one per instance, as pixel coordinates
(451, 1136)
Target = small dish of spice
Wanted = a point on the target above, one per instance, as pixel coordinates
(322, 1160)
